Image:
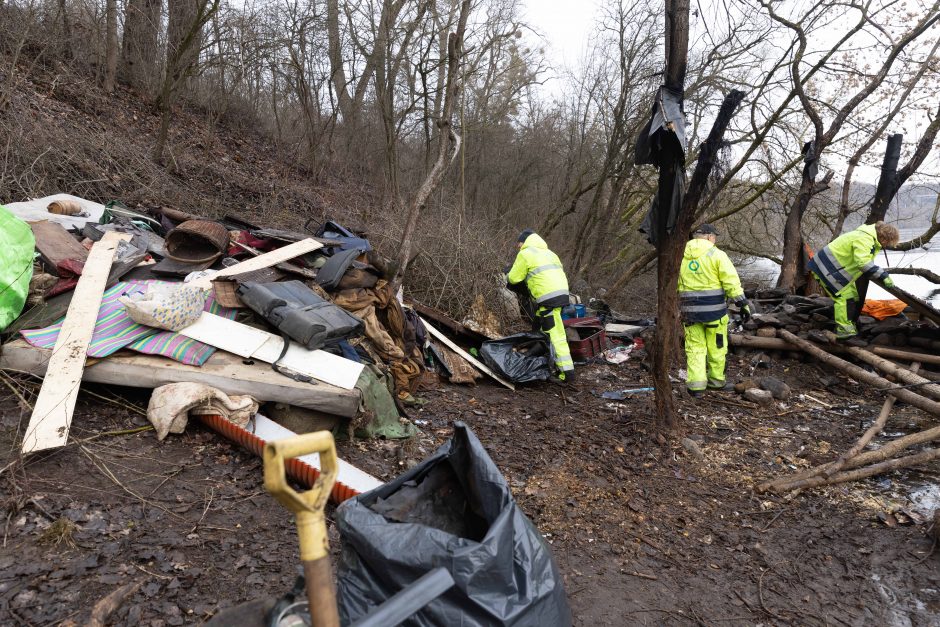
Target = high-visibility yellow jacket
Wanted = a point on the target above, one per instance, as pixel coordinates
(707, 279)
(542, 272)
(848, 257)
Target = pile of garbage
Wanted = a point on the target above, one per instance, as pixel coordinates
(305, 322)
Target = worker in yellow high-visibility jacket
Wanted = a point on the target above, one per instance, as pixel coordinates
(707, 280)
(843, 261)
(540, 270)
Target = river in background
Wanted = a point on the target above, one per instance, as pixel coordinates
(927, 257)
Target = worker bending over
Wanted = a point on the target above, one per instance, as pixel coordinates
(540, 270)
(707, 279)
(843, 260)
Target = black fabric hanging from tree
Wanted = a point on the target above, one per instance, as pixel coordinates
(662, 142)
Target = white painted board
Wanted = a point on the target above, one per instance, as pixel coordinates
(321, 365)
(52, 413)
(226, 334)
(249, 342)
(285, 253)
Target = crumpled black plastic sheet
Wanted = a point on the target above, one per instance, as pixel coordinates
(520, 358)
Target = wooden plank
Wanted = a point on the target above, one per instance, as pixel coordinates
(247, 341)
(224, 371)
(445, 321)
(55, 244)
(52, 412)
(262, 261)
(476, 364)
(917, 304)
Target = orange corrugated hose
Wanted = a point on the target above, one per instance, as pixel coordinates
(298, 470)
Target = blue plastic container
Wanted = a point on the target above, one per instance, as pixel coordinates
(573, 311)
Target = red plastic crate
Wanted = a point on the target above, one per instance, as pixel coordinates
(592, 341)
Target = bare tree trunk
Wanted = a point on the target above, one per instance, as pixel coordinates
(454, 54)
(66, 30)
(139, 55)
(669, 244)
(184, 41)
(111, 46)
(671, 247)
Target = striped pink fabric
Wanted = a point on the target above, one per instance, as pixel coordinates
(115, 330)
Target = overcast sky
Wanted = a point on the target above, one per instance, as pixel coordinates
(565, 26)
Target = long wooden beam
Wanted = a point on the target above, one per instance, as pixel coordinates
(918, 304)
(474, 362)
(223, 370)
(862, 375)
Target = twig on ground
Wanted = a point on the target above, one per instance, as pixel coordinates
(208, 504)
(770, 524)
(106, 606)
(760, 596)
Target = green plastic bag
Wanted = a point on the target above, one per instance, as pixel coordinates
(16, 265)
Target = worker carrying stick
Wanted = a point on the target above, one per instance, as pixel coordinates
(707, 280)
(843, 261)
(539, 270)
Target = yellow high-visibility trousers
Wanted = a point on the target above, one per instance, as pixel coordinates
(551, 324)
(706, 346)
(843, 305)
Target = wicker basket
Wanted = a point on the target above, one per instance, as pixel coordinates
(197, 241)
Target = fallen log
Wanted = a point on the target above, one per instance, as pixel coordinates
(893, 353)
(901, 374)
(921, 272)
(871, 457)
(868, 436)
(827, 470)
(868, 471)
(917, 304)
(862, 375)
(762, 343)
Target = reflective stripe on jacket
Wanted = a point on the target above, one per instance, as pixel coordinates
(846, 258)
(707, 279)
(541, 270)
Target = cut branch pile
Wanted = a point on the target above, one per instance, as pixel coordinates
(907, 384)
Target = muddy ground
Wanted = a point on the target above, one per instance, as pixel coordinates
(644, 533)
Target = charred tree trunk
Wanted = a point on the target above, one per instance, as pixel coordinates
(888, 186)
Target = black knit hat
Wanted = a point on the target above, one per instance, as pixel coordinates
(705, 229)
(525, 235)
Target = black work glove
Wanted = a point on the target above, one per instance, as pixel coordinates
(745, 308)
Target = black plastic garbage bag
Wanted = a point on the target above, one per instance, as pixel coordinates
(521, 358)
(454, 510)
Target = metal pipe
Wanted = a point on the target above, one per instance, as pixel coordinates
(405, 603)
